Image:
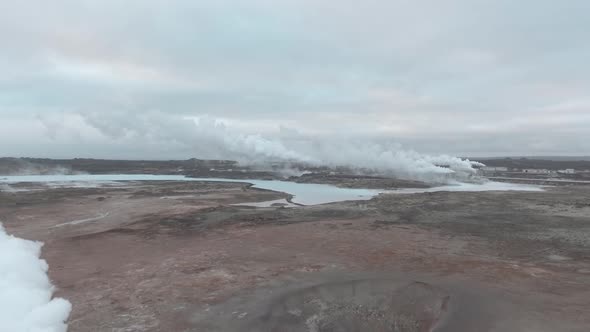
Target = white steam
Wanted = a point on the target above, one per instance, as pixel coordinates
(26, 303)
(208, 138)
(18, 166)
(6, 188)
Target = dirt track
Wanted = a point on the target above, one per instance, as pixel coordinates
(178, 257)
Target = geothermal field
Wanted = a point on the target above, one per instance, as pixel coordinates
(214, 246)
(294, 166)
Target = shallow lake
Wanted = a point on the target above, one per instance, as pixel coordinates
(303, 193)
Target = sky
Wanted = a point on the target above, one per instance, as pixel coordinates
(160, 79)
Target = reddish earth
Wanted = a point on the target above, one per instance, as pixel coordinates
(423, 262)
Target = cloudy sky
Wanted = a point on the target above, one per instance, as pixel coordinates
(163, 79)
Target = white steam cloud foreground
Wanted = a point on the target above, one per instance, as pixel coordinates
(26, 294)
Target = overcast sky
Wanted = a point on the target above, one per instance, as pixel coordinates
(142, 79)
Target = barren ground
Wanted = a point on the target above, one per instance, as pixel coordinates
(173, 256)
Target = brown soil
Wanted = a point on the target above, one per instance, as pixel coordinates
(173, 256)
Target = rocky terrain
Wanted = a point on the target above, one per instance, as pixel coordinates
(178, 256)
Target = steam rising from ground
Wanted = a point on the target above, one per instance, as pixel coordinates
(18, 166)
(209, 138)
(26, 303)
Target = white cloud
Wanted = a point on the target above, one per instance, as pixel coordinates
(419, 72)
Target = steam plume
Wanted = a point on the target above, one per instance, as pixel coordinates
(209, 138)
(26, 294)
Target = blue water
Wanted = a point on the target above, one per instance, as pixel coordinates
(303, 193)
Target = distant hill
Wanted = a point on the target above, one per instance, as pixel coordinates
(29, 166)
(551, 163)
(549, 158)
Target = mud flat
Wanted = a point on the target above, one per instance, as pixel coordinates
(181, 256)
